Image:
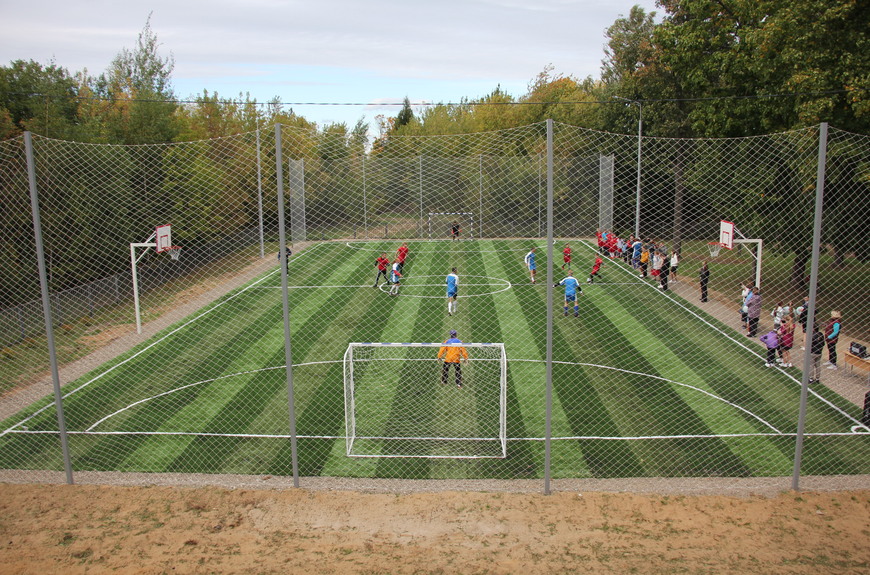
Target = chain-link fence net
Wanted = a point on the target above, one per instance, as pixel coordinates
(631, 351)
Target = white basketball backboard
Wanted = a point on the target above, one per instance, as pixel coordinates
(726, 234)
(163, 238)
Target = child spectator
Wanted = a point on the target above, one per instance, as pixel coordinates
(772, 342)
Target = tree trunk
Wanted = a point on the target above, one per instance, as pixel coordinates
(798, 270)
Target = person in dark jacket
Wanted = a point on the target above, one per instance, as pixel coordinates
(703, 279)
(817, 347)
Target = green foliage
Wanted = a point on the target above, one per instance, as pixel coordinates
(38, 98)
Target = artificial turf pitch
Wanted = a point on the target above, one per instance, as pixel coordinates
(643, 383)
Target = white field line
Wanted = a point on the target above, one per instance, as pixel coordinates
(154, 343)
(332, 437)
(739, 342)
(207, 381)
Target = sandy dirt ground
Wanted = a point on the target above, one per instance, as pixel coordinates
(108, 526)
(162, 529)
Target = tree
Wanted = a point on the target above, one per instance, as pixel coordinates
(42, 99)
(138, 83)
(405, 115)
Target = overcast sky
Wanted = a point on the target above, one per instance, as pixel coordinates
(326, 51)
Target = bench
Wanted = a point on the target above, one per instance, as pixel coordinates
(853, 361)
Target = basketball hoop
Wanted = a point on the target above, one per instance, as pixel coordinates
(715, 247)
(174, 252)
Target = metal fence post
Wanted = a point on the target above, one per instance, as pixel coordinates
(811, 313)
(260, 194)
(288, 352)
(46, 306)
(549, 385)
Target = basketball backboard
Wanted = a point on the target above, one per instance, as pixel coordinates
(726, 234)
(163, 237)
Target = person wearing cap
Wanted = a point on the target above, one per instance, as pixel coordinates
(452, 354)
(832, 334)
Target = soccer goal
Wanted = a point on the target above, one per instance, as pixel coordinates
(399, 402)
(440, 224)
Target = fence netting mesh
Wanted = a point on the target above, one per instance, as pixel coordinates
(616, 341)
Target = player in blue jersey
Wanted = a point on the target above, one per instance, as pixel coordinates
(572, 290)
(452, 282)
(530, 263)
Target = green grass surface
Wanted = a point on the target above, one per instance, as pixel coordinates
(644, 384)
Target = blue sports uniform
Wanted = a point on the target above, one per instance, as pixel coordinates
(572, 286)
(395, 274)
(452, 283)
(530, 260)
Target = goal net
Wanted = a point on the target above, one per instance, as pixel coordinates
(441, 224)
(401, 401)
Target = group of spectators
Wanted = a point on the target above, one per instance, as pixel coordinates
(780, 340)
(645, 256)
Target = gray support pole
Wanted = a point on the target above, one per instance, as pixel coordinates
(46, 306)
(288, 351)
(540, 227)
(421, 197)
(811, 313)
(637, 199)
(549, 389)
(480, 211)
(260, 195)
(365, 203)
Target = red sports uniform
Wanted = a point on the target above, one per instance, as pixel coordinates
(611, 244)
(597, 265)
(566, 255)
(401, 254)
(383, 263)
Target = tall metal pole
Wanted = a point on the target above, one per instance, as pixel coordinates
(548, 432)
(639, 157)
(46, 306)
(365, 203)
(260, 194)
(480, 183)
(421, 197)
(288, 351)
(811, 313)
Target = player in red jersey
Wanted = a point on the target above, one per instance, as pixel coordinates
(381, 264)
(595, 267)
(611, 244)
(566, 256)
(401, 254)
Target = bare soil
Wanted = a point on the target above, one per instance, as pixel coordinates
(164, 529)
(125, 523)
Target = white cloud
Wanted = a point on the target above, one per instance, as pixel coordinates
(328, 50)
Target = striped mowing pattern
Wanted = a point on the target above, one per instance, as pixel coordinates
(644, 384)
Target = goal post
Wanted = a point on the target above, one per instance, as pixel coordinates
(440, 224)
(400, 400)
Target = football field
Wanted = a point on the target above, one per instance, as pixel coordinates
(644, 383)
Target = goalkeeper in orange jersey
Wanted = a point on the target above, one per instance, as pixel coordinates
(452, 354)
